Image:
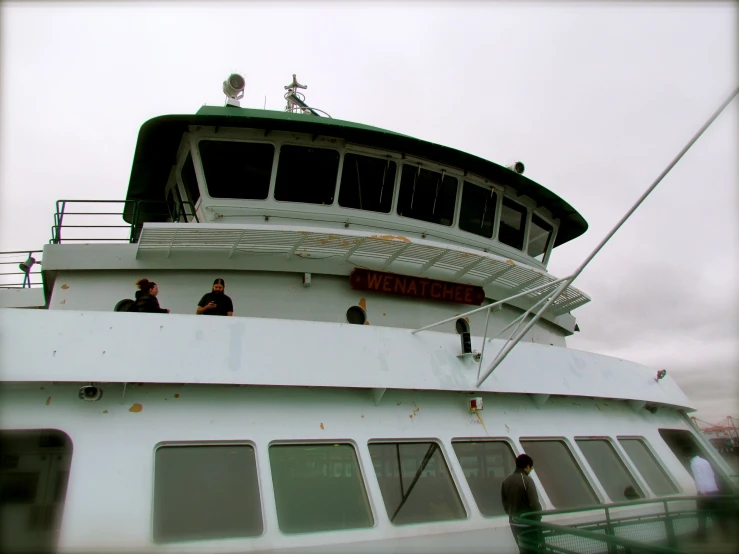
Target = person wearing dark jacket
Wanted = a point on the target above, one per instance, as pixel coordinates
(518, 493)
(216, 302)
(146, 298)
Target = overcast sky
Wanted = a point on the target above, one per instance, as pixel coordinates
(595, 99)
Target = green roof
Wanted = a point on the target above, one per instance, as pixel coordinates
(160, 137)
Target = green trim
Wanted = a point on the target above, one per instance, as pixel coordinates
(159, 140)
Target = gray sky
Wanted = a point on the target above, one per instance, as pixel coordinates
(595, 99)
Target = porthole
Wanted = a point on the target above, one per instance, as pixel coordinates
(356, 315)
(462, 326)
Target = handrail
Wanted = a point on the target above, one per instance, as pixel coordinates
(535, 535)
(138, 210)
(27, 263)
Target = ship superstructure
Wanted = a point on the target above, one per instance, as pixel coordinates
(322, 416)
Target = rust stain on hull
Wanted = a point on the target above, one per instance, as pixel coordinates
(391, 237)
(136, 408)
(48, 401)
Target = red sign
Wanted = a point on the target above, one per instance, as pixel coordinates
(416, 287)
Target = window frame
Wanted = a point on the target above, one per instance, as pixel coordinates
(362, 471)
(671, 478)
(496, 217)
(275, 168)
(215, 199)
(430, 166)
(577, 458)
(621, 456)
(526, 220)
(258, 473)
(449, 461)
(551, 221)
(515, 449)
(396, 180)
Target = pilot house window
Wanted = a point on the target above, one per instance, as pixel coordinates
(539, 236)
(512, 224)
(190, 181)
(367, 183)
(477, 214)
(237, 169)
(306, 174)
(427, 195)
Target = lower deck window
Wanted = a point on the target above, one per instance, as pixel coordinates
(485, 464)
(559, 473)
(610, 470)
(206, 492)
(415, 482)
(34, 470)
(318, 487)
(648, 466)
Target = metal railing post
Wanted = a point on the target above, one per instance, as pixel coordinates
(669, 527)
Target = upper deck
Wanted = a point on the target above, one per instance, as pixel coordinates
(236, 165)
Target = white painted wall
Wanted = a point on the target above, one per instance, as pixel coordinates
(109, 499)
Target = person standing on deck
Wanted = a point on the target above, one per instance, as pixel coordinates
(705, 484)
(518, 493)
(146, 298)
(216, 302)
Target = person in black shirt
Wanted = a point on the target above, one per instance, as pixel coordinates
(146, 298)
(216, 302)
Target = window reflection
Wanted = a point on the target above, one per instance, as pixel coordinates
(477, 214)
(562, 478)
(415, 483)
(318, 487)
(206, 492)
(427, 195)
(367, 183)
(307, 175)
(187, 174)
(512, 223)
(648, 466)
(485, 464)
(539, 237)
(237, 169)
(610, 470)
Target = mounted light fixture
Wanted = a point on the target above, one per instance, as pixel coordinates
(233, 88)
(26, 266)
(661, 374)
(518, 167)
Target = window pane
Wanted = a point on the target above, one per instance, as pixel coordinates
(648, 466)
(415, 483)
(318, 487)
(610, 470)
(560, 475)
(367, 183)
(34, 469)
(539, 237)
(190, 180)
(307, 175)
(237, 169)
(427, 195)
(206, 492)
(512, 223)
(485, 464)
(478, 210)
(678, 440)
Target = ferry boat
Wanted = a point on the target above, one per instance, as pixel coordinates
(363, 396)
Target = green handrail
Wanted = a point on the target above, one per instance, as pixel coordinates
(535, 537)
